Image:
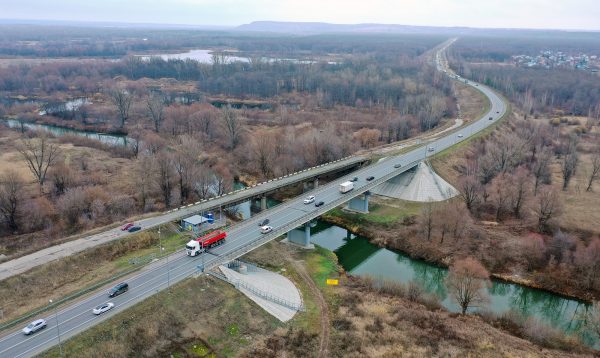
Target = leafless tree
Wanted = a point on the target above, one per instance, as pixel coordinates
(186, 165)
(164, 176)
(11, 198)
(144, 172)
(595, 173)
(548, 208)
(466, 282)
(518, 191)
(469, 191)
(426, 220)
(40, 155)
(233, 126)
(122, 100)
(569, 162)
(263, 148)
(155, 104)
(541, 169)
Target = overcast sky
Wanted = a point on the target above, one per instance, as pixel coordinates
(555, 14)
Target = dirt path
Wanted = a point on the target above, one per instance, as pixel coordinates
(324, 343)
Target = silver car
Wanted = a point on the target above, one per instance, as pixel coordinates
(103, 308)
(34, 326)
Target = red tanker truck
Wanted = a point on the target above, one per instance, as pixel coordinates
(201, 244)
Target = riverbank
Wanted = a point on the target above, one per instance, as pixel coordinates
(380, 234)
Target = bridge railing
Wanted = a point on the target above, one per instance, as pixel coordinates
(239, 284)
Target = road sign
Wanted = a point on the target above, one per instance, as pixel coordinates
(333, 282)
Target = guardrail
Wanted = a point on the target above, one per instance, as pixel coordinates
(238, 284)
(303, 171)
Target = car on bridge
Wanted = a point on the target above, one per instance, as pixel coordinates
(34, 326)
(266, 229)
(370, 178)
(397, 165)
(460, 135)
(263, 222)
(309, 199)
(320, 203)
(491, 118)
(103, 308)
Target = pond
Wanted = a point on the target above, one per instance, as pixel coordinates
(111, 139)
(359, 257)
(206, 56)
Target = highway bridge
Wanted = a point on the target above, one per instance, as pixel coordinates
(242, 238)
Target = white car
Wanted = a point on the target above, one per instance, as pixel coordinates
(460, 135)
(103, 308)
(266, 229)
(34, 326)
(309, 199)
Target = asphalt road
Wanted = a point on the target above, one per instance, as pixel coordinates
(242, 238)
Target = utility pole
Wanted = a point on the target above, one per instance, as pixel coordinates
(168, 267)
(57, 329)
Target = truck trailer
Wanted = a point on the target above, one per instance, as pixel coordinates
(203, 243)
(346, 187)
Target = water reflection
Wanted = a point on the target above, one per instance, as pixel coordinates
(359, 257)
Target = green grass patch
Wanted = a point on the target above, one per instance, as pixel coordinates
(380, 214)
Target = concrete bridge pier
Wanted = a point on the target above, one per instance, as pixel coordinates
(300, 236)
(315, 183)
(263, 203)
(360, 203)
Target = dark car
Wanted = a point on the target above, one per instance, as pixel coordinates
(134, 228)
(118, 289)
(370, 178)
(491, 118)
(354, 179)
(397, 165)
(319, 203)
(264, 222)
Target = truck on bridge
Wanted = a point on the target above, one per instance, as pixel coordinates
(346, 187)
(203, 243)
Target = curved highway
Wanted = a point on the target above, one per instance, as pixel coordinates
(242, 238)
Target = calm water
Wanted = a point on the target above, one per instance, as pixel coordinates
(359, 257)
(205, 56)
(112, 139)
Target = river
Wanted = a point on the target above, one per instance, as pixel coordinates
(359, 257)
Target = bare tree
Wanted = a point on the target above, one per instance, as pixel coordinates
(426, 219)
(541, 169)
(186, 165)
(122, 100)
(40, 155)
(11, 198)
(233, 126)
(548, 208)
(595, 174)
(156, 104)
(470, 189)
(517, 191)
(466, 281)
(586, 262)
(164, 176)
(569, 162)
(144, 172)
(263, 147)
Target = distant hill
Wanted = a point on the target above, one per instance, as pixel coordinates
(309, 28)
(323, 27)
